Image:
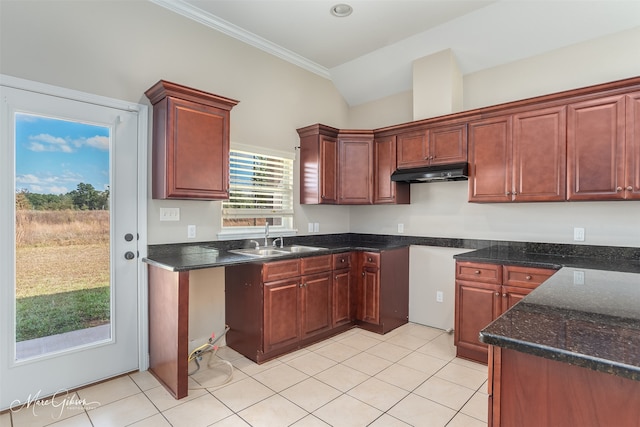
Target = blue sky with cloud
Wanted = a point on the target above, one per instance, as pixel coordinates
(53, 156)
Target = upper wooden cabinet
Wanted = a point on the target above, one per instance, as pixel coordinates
(490, 164)
(355, 167)
(190, 143)
(386, 191)
(604, 148)
(318, 164)
(518, 157)
(432, 146)
(347, 167)
(632, 184)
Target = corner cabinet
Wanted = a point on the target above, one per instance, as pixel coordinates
(318, 165)
(190, 143)
(483, 293)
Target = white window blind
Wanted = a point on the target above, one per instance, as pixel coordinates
(260, 191)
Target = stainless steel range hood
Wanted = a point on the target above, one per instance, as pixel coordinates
(450, 172)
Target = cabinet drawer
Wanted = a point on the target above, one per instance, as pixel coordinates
(525, 277)
(341, 261)
(488, 273)
(280, 270)
(316, 264)
(370, 259)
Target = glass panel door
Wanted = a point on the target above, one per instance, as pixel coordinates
(63, 287)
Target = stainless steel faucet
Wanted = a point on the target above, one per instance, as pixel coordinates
(266, 234)
(276, 241)
(257, 244)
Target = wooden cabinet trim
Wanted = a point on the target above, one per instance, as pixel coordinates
(315, 264)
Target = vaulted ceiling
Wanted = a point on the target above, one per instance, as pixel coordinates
(369, 54)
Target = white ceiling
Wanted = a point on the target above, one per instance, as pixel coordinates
(368, 55)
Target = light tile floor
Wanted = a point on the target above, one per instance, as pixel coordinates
(408, 377)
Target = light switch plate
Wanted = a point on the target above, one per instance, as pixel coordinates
(578, 234)
(191, 231)
(316, 227)
(169, 214)
(310, 227)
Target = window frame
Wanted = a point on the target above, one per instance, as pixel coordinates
(245, 232)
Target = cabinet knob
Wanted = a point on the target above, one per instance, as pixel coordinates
(528, 277)
(476, 272)
(369, 259)
(515, 193)
(363, 274)
(497, 294)
(508, 193)
(619, 189)
(342, 260)
(504, 295)
(629, 188)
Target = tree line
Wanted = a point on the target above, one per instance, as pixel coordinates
(84, 197)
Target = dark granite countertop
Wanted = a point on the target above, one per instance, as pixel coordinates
(532, 255)
(584, 317)
(185, 257)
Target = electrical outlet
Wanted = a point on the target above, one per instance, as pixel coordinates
(169, 214)
(191, 231)
(439, 296)
(578, 234)
(400, 228)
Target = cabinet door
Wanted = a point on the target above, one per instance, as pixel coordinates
(447, 144)
(539, 155)
(384, 164)
(595, 149)
(512, 295)
(355, 171)
(412, 149)
(369, 309)
(342, 298)
(477, 305)
(328, 170)
(197, 153)
(316, 304)
(490, 152)
(281, 318)
(632, 184)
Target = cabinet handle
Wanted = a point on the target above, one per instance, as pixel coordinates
(619, 189)
(629, 188)
(528, 277)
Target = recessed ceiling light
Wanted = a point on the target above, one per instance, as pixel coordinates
(341, 10)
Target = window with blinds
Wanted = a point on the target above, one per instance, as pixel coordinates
(260, 191)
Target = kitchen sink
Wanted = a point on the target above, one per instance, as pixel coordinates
(260, 252)
(300, 248)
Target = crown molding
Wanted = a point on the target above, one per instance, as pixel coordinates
(185, 9)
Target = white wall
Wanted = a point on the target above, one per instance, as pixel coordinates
(441, 209)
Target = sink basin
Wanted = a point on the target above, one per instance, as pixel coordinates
(260, 253)
(300, 248)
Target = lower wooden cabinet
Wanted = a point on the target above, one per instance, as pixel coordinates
(484, 292)
(279, 306)
(383, 289)
(527, 391)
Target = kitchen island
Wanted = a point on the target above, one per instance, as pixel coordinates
(569, 352)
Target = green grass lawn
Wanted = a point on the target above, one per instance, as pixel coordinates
(61, 289)
(44, 315)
